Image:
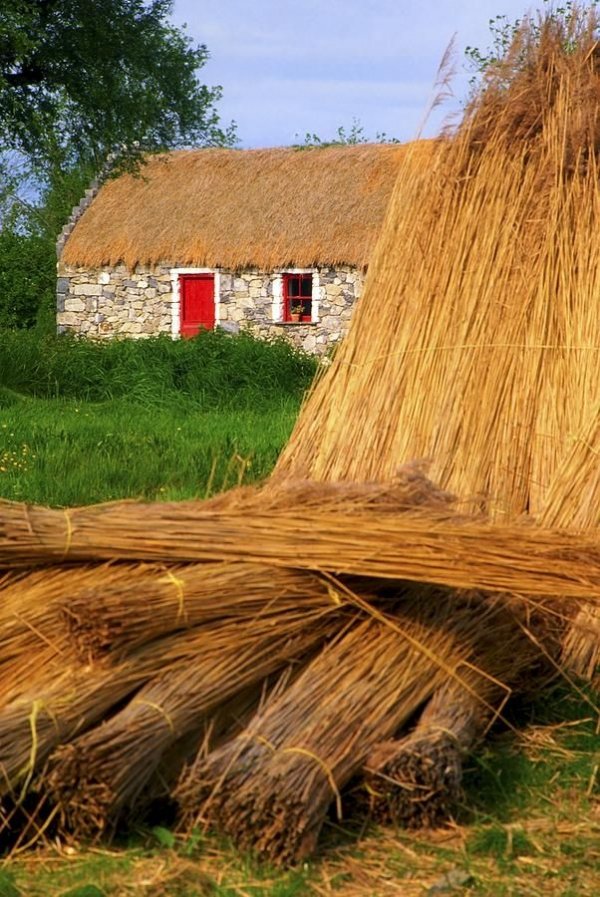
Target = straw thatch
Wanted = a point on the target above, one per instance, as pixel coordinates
(416, 780)
(479, 308)
(242, 209)
(417, 544)
(135, 604)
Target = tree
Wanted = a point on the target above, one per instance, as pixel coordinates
(79, 80)
(81, 77)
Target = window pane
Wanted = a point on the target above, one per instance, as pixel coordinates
(306, 285)
(293, 287)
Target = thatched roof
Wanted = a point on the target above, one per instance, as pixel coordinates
(242, 208)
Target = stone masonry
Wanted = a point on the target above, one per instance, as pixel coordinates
(114, 301)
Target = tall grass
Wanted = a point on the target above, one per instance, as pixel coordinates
(214, 370)
(67, 452)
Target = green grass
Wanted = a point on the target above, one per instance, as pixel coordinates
(65, 452)
(213, 370)
(85, 422)
(529, 827)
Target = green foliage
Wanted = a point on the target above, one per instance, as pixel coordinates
(503, 33)
(502, 842)
(84, 891)
(27, 278)
(80, 77)
(82, 81)
(164, 836)
(354, 136)
(66, 452)
(214, 370)
(8, 888)
(82, 422)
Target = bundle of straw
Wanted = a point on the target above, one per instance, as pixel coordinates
(416, 780)
(30, 627)
(34, 724)
(491, 341)
(151, 601)
(580, 507)
(422, 545)
(270, 788)
(98, 775)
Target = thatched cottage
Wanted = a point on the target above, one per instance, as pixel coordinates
(275, 241)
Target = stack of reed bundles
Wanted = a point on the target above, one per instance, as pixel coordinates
(484, 307)
(416, 780)
(373, 590)
(49, 695)
(102, 773)
(270, 788)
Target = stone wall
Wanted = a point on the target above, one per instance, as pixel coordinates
(338, 290)
(114, 301)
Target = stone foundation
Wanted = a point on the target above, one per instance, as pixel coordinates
(114, 301)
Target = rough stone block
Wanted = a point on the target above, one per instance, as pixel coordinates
(68, 317)
(229, 326)
(87, 289)
(73, 305)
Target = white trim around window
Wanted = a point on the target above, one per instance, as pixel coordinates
(278, 292)
(176, 298)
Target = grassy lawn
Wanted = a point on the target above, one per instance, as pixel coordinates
(86, 422)
(69, 452)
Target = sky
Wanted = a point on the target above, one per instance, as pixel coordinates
(312, 66)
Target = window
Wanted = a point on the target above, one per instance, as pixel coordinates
(297, 297)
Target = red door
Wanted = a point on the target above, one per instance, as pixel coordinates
(197, 295)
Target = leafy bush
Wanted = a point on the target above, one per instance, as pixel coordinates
(27, 278)
(214, 370)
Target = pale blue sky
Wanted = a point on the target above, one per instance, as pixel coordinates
(291, 67)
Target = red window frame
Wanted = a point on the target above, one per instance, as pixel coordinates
(297, 294)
